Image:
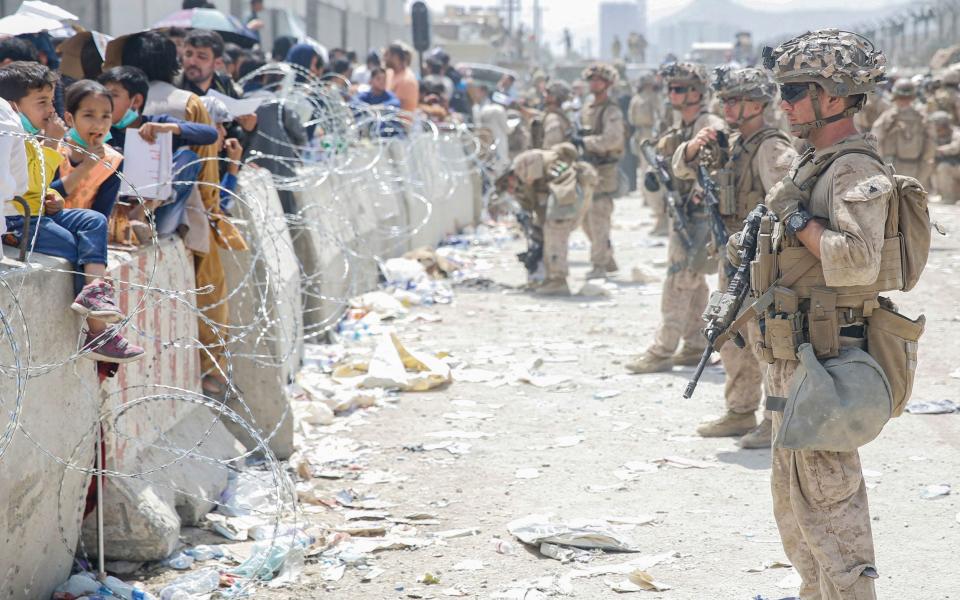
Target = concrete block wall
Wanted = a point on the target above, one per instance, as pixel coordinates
(154, 426)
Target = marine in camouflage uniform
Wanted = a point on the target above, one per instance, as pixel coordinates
(603, 145)
(946, 96)
(758, 156)
(833, 208)
(644, 114)
(685, 287)
(946, 174)
(556, 126)
(904, 136)
(560, 187)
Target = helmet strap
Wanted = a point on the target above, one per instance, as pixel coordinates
(804, 129)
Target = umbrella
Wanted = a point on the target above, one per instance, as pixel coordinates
(230, 28)
(19, 24)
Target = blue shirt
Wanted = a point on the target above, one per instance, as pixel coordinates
(387, 98)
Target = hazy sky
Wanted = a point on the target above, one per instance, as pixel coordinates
(581, 15)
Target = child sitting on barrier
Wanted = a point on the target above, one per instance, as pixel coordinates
(88, 172)
(77, 235)
(129, 87)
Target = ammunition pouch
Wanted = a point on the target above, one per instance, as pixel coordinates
(892, 340)
(726, 192)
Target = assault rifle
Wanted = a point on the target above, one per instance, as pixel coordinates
(724, 307)
(663, 177)
(532, 256)
(711, 199)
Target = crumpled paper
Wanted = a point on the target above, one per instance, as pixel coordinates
(393, 365)
(588, 535)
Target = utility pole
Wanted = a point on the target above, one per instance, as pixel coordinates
(537, 29)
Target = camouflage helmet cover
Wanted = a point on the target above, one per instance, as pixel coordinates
(559, 90)
(749, 84)
(689, 73)
(951, 77)
(602, 70)
(841, 62)
(939, 117)
(904, 88)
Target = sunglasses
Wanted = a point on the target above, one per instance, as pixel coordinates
(731, 101)
(678, 89)
(791, 93)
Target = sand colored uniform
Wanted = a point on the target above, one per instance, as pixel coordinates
(603, 149)
(756, 165)
(819, 498)
(907, 141)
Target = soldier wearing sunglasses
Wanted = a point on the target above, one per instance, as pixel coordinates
(832, 211)
(685, 287)
(757, 157)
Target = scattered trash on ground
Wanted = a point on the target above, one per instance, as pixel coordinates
(585, 534)
(935, 491)
(932, 407)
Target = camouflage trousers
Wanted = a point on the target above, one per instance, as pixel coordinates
(820, 504)
(556, 244)
(946, 182)
(743, 389)
(596, 224)
(682, 303)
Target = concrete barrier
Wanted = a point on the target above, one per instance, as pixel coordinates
(42, 501)
(143, 515)
(266, 312)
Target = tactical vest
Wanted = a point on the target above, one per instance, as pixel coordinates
(612, 157)
(669, 142)
(741, 187)
(905, 137)
(787, 278)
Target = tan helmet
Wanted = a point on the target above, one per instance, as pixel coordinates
(842, 63)
(749, 84)
(951, 77)
(904, 88)
(603, 71)
(559, 90)
(939, 118)
(688, 73)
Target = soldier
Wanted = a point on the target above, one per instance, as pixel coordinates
(826, 262)
(904, 136)
(556, 126)
(644, 116)
(602, 145)
(685, 286)
(945, 96)
(558, 187)
(758, 157)
(946, 174)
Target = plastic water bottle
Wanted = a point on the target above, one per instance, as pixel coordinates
(204, 552)
(198, 582)
(503, 546)
(180, 561)
(122, 589)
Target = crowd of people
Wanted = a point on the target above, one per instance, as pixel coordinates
(66, 124)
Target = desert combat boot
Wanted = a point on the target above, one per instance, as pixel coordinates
(729, 425)
(758, 437)
(648, 362)
(553, 287)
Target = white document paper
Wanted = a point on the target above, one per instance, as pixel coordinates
(147, 167)
(238, 108)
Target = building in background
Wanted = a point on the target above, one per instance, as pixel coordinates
(623, 31)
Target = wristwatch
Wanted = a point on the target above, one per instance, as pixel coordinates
(797, 220)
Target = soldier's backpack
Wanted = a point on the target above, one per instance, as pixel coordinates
(908, 216)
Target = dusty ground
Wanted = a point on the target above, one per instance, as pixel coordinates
(716, 522)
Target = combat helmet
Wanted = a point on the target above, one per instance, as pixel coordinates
(749, 84)
(687, 74)
(904, 88)
(842, 63)
(559, 90)
(745, 84)
(939, 118)
(602, 70)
